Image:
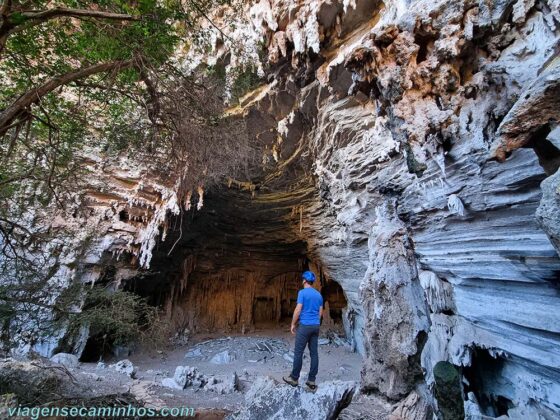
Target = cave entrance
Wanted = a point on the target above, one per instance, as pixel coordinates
(97, 348)
(484, 380)
(237, 268)
(234, 300)
(234, 266)
(334, 301)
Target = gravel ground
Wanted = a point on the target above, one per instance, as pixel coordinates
(263, 352)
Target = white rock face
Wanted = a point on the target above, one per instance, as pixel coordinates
(121, 215)
(444, 108)
(548, 212)
(188, 376)
(439, 294)
(429, 111)
(125, 367)
(397, 319)
(68, 360)
(266, 399)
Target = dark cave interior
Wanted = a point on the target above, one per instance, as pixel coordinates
(232, 266)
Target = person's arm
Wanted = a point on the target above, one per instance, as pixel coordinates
(295, 318)
(321, 312)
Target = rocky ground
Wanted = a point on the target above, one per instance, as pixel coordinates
(264, 353)
(215, 374)
(397, 137)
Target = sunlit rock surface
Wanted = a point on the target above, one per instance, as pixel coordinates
(448, 109)
(413, 101)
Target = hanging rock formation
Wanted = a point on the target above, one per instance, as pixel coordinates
(424, 128)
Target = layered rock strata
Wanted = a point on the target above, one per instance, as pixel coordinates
(427, 104)
(447, 110)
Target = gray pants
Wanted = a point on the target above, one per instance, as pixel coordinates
(306, 335)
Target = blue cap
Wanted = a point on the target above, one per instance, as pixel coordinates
(308, 276)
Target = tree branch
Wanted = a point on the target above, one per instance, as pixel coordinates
(5, 8)
(14, 111)
(69, 12)
(14, 225)
(37, 18)
(4, 25)
(33, 18)
(205, 16)
(154, 106)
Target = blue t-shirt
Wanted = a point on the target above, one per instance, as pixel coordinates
(312, 301)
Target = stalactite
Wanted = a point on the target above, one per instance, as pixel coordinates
(233, 298)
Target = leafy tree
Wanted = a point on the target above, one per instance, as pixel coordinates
(90, 75)
(67, 67)
(98, 76)
(120, 316)
(107, 41)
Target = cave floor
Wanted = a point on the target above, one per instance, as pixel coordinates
(259, 353)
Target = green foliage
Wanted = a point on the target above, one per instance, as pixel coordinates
(217, 71)
(107, 112)
(142, 105)
(43, 157)
(122, 317)
(43, 148)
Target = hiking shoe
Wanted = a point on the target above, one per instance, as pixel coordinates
(311, 385)
(290, 381)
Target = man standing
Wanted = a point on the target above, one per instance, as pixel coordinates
(309, 310)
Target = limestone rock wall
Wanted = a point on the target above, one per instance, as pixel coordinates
(448, 110)
(427, 104)
(112, 222)
(397, 319)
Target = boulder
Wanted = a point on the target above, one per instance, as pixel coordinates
(170, 383)
(226, 385)
(413, 407)
(222, 358)
(189, 376)
(367, 407)
(267, 399)
(68, 360)
(126, 367)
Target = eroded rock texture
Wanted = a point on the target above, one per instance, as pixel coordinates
(269, 400)
(413, 101)
(445, 109)
(396, 314)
